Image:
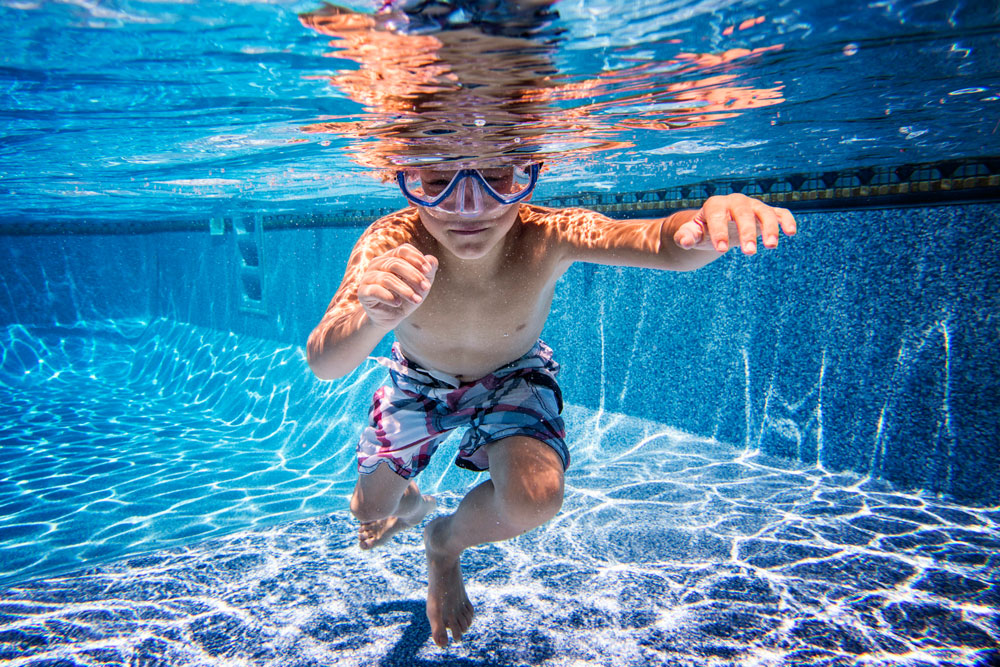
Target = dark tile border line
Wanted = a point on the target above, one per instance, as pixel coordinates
(945, 182)
(932, 183)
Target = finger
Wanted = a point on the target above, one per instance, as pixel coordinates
(427, 265)
(403, 268)
(375, 293)
(408, 273)
(767, 218)
(410, 253)
(717, 219)
(401, 288)
(746, 228)
(787, 221)
(433, 262)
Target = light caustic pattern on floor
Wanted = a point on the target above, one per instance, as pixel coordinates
(125, 436)
(669, 550)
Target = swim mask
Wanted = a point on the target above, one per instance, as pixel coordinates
(467, 192)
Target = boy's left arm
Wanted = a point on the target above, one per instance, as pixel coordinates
(686, 240)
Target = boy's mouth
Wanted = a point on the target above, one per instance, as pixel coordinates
(468, 232)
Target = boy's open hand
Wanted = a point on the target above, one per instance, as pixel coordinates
(395, 284)
(734, 219)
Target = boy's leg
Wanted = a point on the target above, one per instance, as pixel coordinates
(525, 491)
(386, 503)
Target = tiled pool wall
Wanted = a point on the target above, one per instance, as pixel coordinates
(866, 343)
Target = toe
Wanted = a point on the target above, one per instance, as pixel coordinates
(466, 618)
(439, 633)
(366, 536)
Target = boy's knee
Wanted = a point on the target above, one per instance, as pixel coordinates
(534, 499)
(528, 478)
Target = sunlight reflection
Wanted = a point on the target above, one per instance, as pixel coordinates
(453, 93)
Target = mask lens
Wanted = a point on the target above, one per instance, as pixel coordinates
(521, 178)
(507, 181)
(427, 183)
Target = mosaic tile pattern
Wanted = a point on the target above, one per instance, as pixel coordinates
(669, 550)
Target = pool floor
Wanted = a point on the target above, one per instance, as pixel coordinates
(670, 549)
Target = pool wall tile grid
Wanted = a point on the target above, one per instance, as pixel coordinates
(303, 271)
(864, 342)
(63, 280)
(859, 343)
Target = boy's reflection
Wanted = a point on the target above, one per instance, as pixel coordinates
(492, 89)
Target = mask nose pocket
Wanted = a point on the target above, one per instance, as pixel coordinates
(468, 189)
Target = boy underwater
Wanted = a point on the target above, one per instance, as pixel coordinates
(465, 277)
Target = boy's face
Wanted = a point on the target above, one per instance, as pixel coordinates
(469, 237)
(468, 210)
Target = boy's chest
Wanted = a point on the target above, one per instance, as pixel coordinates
(512, 302)
(470, 328)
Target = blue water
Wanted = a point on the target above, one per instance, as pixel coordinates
(781, 460)
(144, 435)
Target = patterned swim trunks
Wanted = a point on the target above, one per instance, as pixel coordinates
(418, 408)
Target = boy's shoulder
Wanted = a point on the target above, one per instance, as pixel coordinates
(548, 214)
(393, 229)
(404, 218)
(561, 220)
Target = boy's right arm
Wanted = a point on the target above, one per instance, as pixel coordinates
(380, 289)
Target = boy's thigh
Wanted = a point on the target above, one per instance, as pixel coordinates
(525, 466)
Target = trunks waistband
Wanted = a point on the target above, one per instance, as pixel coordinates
(539, 356)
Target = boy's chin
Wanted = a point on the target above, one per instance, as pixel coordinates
(469, 255)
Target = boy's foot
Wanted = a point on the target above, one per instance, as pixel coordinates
(448, 606)
(377, 533)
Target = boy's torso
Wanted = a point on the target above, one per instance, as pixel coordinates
(469, 325)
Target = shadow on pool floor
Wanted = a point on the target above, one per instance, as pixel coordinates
(662, 554)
